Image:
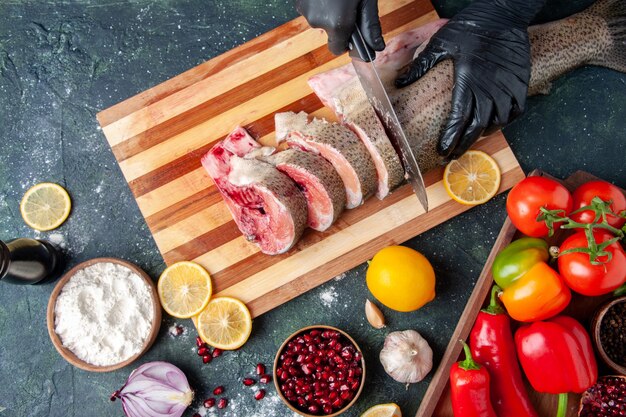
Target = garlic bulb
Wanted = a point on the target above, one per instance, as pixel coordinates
(406, 356)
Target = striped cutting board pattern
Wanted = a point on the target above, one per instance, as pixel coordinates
(159, 136)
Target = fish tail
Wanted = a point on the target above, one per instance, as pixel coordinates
(613, 12)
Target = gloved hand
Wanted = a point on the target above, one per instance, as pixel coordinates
(339, 18)
(488, 42)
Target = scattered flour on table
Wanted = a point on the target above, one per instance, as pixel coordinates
(340, 277)
(328, 296)
(104, 314)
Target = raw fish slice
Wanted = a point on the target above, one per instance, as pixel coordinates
(341, 91)
(337, 144)
(266, 205)
(321, 185)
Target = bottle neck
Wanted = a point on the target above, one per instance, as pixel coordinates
(5, 259)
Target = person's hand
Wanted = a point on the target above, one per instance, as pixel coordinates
(339, 18)
(488, 42)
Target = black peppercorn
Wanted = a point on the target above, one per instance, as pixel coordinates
(613, 333)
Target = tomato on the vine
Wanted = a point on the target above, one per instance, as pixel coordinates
(586, 278)
(525, 200)
(606, 191)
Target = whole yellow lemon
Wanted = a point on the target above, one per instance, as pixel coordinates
(401, 278)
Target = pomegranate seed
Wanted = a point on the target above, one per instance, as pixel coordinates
(218, 390)
(265, 379)
(209, 403)
(222, 403)
(346, 395)
(355, 385)
(358, 356)
(199, 342)
(338, 403)
(206, 358)
(203, 350)
(315, 333)
(177, 330)
(217, 352)
(301, 402)
(332, 395)
(248, 382)
(259, 395)
(196, 415)
(328, 409)
(313, 409)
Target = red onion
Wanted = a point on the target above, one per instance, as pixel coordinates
(155, 389)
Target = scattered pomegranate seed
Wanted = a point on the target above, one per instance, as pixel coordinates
(209, 403)
(265, 379)
(206, 358)
(203, 351)
(248, 382)
(196, 415)
(222, 403)
(177, 330)
(259, 395)
(260, 369)
(199, 342)
(217, 352)
(218, 390)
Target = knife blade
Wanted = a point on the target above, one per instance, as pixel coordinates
(363, 61)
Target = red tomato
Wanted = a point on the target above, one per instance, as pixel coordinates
(585, 278)
(606, 191)
(528, 196)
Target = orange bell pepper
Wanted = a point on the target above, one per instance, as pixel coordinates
(531, 290)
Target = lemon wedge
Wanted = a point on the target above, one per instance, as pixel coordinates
(184, 289)
(45, 206)
(472, 179)
(383, 410)
(225, 323)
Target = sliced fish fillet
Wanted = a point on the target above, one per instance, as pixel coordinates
(341, 91)
(266, 205)
(338, 145)
(320, 183)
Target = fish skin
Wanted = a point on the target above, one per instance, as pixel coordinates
(596, 36)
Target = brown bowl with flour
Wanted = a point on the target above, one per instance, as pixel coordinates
(150, 335)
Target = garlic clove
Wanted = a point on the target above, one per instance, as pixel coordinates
(406, 356)
(374, 315)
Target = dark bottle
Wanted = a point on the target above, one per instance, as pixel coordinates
(28, 261)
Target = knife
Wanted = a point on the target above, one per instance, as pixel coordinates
(363, 61)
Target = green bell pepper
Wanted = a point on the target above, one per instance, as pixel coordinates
(517, 259)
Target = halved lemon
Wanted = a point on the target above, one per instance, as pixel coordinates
(225, 323)
(184, 289)
(383, 410)
(45, 206)
(472, 179)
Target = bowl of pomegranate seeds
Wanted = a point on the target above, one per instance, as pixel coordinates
(319, 371)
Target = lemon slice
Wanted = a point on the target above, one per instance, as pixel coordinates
(383, 410)
(184, 289)
(472, 179)
(45, 206)
(225, 323)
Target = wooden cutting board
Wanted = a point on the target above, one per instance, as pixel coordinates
(159, 136)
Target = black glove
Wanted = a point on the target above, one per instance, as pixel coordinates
(339, 18)
(488, 42)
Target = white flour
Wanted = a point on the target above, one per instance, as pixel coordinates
(104, 314)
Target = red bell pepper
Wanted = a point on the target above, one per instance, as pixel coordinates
(469, 383)
(557, 357)
(492, 345)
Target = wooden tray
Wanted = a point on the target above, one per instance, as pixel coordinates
(436, 401)
(159, 136)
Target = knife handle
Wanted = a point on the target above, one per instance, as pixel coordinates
(359, 48)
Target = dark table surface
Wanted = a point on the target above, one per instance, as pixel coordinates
(63, 61)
